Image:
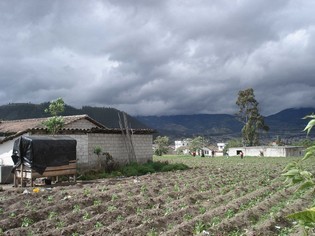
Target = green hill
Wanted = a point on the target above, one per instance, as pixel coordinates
(106, 116)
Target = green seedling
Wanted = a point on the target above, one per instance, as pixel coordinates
(27, 222)
(114, 197)
(86, 216)
(52, 215)
(76, 208)
(98, 225)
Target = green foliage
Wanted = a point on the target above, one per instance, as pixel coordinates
(307, 215)
(296, 174)
(136, 169)
(55, 123)
(161, 145)
(97, 150)
(249, 115)
(56, 107)
(27, 222)
(196, 144)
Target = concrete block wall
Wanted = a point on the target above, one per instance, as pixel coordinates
(82, 148)
(143, 147)
(114, 144)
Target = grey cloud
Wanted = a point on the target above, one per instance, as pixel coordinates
(158, 57)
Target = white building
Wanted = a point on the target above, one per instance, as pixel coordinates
(221, 146)
(268, 151)
(183, 143)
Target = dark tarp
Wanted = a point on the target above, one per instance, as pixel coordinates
(39, 152)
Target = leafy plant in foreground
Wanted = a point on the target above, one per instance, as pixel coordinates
(296, 175)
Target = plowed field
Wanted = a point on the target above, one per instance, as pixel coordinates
(217, 196)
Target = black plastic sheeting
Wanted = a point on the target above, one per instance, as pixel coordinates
(39, 152)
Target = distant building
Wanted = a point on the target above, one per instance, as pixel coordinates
(221, 146)
(181, 143)
(268, 151)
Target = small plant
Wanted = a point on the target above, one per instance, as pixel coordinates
(76, 208)
(199, 227)
(187, 216)
(215, 220)
(168, 211)
(120, 218)
(139, 211)
(114, 197)
(50, 198)
(28, 204)
(86, 216)
(86, 192)
(12, 215)
(202, 209)
(52, 215)
(152, 232)
(75, 234)
(27, 222)
(144, 189)
(229, 213)
(111, 208)
(1, 210)
(97, 202)
(176, 188)
(98, 225)
(60, 224)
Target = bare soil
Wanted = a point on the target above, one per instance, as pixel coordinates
(214, 198)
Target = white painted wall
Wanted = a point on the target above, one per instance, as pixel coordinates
(268, 151)
(6, 153)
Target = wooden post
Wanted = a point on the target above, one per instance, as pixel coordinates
(22, 175)
(14, 179)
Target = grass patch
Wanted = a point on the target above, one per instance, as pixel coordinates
(135, 169)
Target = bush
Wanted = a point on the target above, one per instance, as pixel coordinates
(135, 169)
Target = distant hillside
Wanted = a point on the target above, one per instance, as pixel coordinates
(106, 116)
(288, 124)
(193, 125)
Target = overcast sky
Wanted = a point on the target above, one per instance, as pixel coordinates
(158, 57)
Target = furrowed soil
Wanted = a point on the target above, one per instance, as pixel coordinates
(217, 196)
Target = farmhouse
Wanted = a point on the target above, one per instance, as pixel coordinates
(268, 151)
(88, 133)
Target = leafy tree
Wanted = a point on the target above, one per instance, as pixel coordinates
(296, 174)
(196, 143)
(161, 145)
(55, 123)
(249, 115)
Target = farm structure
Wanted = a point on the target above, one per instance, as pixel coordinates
(88, 134)
(41, 156)
(268, 151)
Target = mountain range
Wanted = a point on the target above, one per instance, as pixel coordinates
(287, 124)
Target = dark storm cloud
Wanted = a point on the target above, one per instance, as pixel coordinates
(158, 57)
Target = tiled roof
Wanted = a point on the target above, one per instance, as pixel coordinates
(19, 126)
(14, 128)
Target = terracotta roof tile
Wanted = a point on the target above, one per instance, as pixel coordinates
(15, 126)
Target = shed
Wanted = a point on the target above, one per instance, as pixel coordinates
(87, 132)
(42, 156)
